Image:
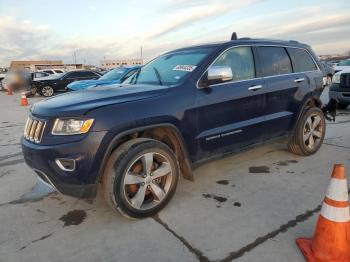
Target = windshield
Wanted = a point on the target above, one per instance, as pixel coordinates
(114, 74)
(344, 63)
(170, 68)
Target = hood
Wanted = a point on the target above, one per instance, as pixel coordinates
(346, 70)
(341, 68)
(79, 102)
(78, 85)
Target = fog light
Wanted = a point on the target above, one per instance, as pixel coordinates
(66, 164)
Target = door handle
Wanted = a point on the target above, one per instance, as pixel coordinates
(253, 88)
(298, 80)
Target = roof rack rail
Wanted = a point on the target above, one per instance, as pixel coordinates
(294, 41)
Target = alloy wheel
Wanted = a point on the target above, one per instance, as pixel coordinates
(47, 91)
(147, 181)
(313, 131)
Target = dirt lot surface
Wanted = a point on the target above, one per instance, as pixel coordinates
(247, 207)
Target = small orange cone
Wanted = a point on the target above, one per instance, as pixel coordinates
(9, 91)
(331, 241)
(24, 100)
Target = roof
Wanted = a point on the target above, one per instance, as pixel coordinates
(246, 40)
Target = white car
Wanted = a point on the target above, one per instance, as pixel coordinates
(52, 71)
(343, 65)
(37, 75)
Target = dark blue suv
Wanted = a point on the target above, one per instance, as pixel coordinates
(182, 108)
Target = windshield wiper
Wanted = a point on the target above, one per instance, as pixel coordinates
(158, 76)
(135, 77)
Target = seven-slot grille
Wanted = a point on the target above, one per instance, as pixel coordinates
(34, 130)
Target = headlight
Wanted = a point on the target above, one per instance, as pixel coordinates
(336, 79)
(71, 126)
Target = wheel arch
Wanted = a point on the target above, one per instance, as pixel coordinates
(166, 133)
(312, 101)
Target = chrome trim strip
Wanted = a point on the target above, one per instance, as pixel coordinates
(59, 164)
(298, 80)
(50, 184)
(254, 88)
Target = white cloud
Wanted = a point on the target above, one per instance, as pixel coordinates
(327, 33)
(194, 12)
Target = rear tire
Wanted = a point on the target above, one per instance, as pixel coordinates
(343, 105)
(309, 133)
(140, 177)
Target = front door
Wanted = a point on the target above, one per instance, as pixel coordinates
(230, 115)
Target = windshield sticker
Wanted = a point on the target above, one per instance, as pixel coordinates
(187, 68)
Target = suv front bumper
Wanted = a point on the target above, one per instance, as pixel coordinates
(79, 182)
(341, 97)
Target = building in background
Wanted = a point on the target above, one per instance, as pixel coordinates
(109, 64)
(36, 65)
(70, 67)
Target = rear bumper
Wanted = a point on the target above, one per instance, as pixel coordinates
(80, 182)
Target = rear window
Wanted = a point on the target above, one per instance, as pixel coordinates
(302, 60)
(274, 61)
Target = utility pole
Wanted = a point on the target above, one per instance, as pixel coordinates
(141, 56)
(75, 57)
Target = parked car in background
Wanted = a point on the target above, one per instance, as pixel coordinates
(182, 108)
(52, 71)
(48, 86)
(2, 75)
(343, 65)
(39, 74)
(329, 72)
(340, 88)
(114, 76)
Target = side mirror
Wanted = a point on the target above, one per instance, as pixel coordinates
(219, 74)
(216, 75)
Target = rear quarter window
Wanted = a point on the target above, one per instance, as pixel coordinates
(274, 61)
(302, 60)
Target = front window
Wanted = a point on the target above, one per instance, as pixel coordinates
(114, 74)
(171, 68)
(344, 63)
(241, 62)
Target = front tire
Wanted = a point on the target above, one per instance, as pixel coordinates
(47, 91)
(140, 177)
(309, 133)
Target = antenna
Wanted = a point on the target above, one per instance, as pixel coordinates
(234, 36)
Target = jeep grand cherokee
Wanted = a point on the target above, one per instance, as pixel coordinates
(182, 108)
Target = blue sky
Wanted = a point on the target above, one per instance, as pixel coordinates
(37, 29)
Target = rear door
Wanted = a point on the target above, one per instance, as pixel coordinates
(281, 89)
(230, 114)
(306, 70)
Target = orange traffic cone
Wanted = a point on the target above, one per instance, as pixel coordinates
(24, 100)
(331, 241)
(9, 91)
